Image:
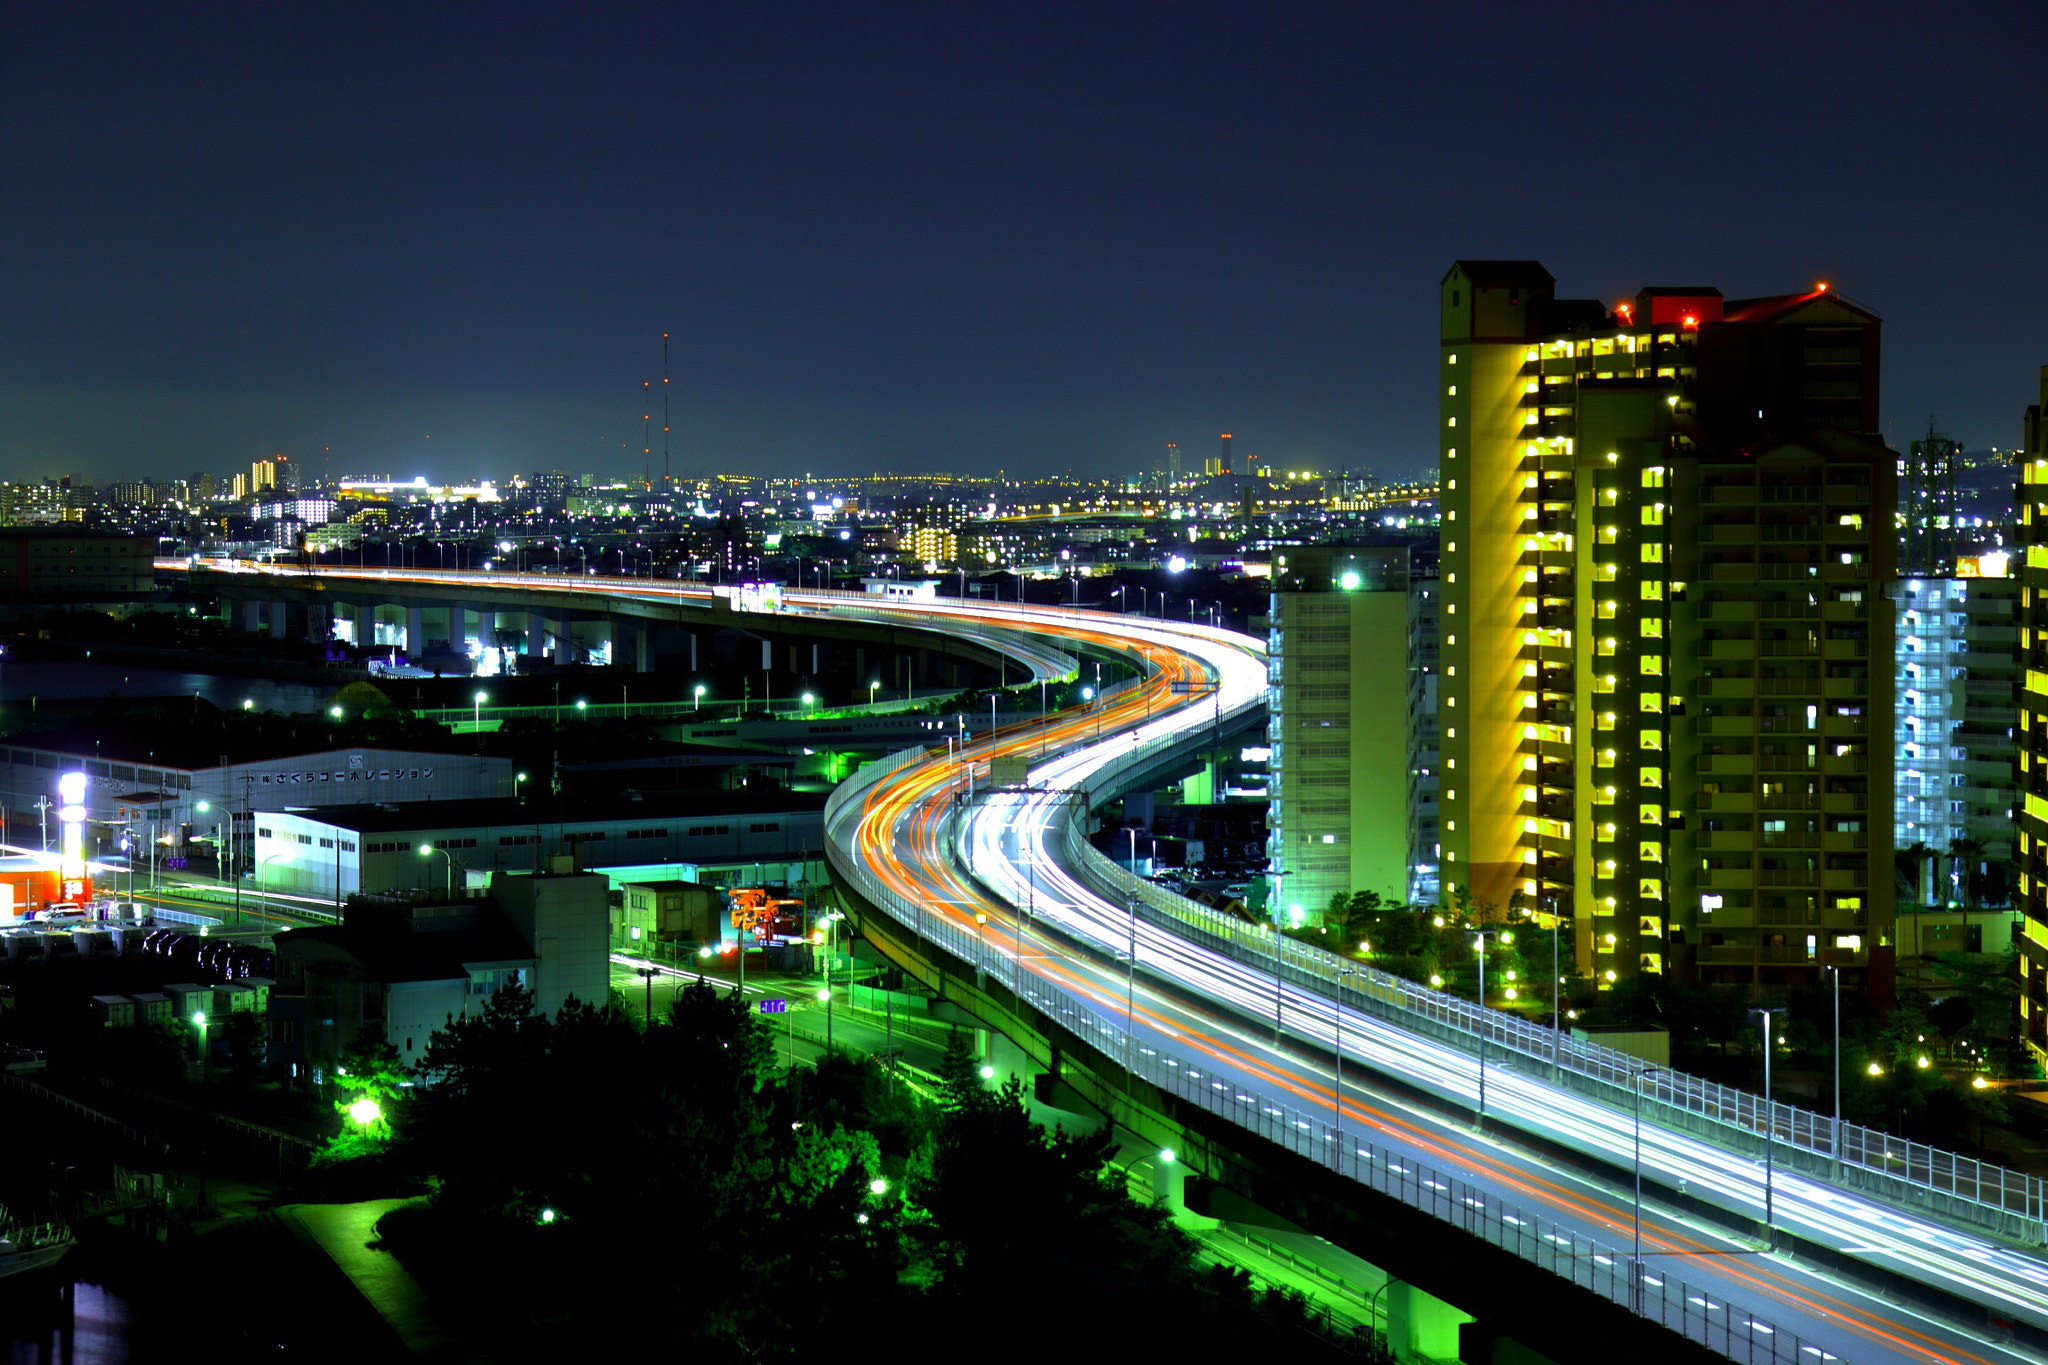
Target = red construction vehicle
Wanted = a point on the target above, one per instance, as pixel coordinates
(759, 911)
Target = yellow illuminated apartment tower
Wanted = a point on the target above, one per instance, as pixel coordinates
(1666, 653)
(2033, 731)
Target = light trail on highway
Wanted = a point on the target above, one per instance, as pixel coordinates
(999, 869)
(1007, 884)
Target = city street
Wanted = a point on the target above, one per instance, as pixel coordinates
(875, 1027)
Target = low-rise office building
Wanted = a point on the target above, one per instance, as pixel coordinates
(338, 852)
(399, 967)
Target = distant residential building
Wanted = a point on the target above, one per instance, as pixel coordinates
(1957, 680)
(1338, 652)
(1425, 737)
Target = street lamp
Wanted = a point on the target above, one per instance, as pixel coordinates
(1635, 1086)
(1279, 991)
(1163, 1157)
(477, 711)
(830, 924)
(1479, 937)
(1769, 1116)
(647, 975)
(1835, 1131)
(336, 712)
(871, 690)
(517, 779)
(428, 851)
(1342, 972)
(697, 696)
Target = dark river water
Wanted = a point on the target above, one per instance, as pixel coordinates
(74, 681)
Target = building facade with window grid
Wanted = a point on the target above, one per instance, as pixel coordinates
(1666, 530)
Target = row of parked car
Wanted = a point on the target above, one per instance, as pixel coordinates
(219, 957)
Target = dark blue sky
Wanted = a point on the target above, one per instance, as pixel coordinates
(1036, 237)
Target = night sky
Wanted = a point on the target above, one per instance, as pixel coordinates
(447, 239)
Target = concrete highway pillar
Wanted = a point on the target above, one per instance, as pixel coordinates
(415, 630)
(252, 616)
(536, 636)
(643, 648)
(565, 639)
(1421, 1325)
(278, 620)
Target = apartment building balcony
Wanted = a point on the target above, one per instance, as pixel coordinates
(1718, 610)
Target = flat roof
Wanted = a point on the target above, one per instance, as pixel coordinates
(541, 809)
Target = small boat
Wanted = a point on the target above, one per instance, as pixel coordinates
(30, 1246)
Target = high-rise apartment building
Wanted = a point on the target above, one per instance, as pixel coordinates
(2033, 728)
(1666, 703)
(1424, 737)
(1338, 648)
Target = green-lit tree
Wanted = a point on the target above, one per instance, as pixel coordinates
(959, 1076)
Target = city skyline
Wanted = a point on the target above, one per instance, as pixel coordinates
(919, 242)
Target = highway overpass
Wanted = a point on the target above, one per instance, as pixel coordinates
(1874, 1251)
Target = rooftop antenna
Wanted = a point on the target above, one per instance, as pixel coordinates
(666, 482)
(646, 433)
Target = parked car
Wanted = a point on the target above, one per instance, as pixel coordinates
(22, 1061)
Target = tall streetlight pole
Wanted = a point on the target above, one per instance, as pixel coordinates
(1279, 991)
(1131, 965)
(1342, 973)
(1636, 1264)
(830, 923)
(1556, 997)
(1835, 1131)
(1769, 1117)
(1479, 937)
(428, 851)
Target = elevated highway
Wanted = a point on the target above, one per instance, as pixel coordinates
(1821, 1248)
